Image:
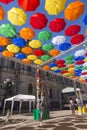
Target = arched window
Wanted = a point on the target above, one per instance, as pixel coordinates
(30, 89)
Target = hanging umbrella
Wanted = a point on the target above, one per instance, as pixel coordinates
(57, 24)
(54, 7)
(35, 44)
(18, 41)
(17, 16)
(6, 1)
(85, 20)
(64, 46)
(7, 30)
(29, 5)
(2, 13)
(26, 61)
(38, 21)
(27, 33)
(72, 30)
(46, 67)
(79, 58)
(38, 61)
(27, 50)
(20, 55)
(32, 57)
(45, 57)
(77, 39)
(60, 61)
(52, 64)
(3, 41)
(39, 52)
(69, 58)
(54, 52)
(58, 40)
(44, 35)
(54, 68)
(47, 47)
(80, 53)
(74, 10)
(13, 48)
(7, 53)
(1, 48)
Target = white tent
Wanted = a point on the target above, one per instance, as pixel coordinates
(69, 89)
(20, 98)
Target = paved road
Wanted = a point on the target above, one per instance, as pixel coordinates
(59, 120)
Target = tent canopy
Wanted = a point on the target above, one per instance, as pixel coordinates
(69, 89)
(20, 98)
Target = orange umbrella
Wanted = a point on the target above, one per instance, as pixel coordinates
(26, 61)
(3, 41)
(74, 10)
(46, 67)
(27, 50)
(2, 13)
(27, 33)
(7, 53)
(54, 52)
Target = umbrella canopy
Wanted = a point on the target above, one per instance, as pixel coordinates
(44, 35)
(39, 52)
(7, 30)
(85, 20)
(3, 41)
(27, 33)
(18, 41)
(46, 67)
(77, 39)
(13, 48)
(80, 53)
(20, 55)
(35, 44)
(2, 13)
(7, 53)
(64, 46)
(38, 61)
(26, 61)
(57, 24)
(72, 30)
(45, 57)
(17, 16)
(47, 47)
(58, 40)
(27, 50)
(54, 7)
(74, 10)
(54, 52)
(38, 21)
(29, 5)
(32, 57)
(6, 1)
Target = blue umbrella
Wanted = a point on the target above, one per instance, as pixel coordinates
(20, 55)
(85, 20)
(52, 64)
(1, 49)
(79, 58)
(19, 42)
(64, 46)
(57, 71)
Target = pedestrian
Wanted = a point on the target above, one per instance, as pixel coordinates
(72, 106)
(42, 107)
(80, 105)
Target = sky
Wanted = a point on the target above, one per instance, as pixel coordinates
(41, 9)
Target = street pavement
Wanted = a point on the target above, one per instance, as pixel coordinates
(59, 120)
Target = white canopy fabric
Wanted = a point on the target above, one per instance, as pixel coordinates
(20, 98)
(69, 89)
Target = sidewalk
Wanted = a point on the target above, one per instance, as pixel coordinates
(59, 120)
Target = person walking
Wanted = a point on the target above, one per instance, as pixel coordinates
(72, 106)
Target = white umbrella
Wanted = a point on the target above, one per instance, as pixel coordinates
(58, 40)
(80, 53)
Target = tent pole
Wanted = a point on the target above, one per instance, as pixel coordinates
(20, 107)
(12, 105)
(4, 107)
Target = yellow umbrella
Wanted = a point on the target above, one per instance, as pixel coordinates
(54, 7)
(13, 48)
(32, 57)
(85, 59)
(17, 16)
(54, 68)
(35, 44)
(74, 10)
(38, 61)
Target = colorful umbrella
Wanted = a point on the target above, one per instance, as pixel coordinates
(38, 21)
(1, 48)
(17, 16)
(20, 55)
(64, 46)
(72, 30)
(69, 58)
(54, 52)
(46, 67)
(29, 5)
(32, 57)
(6, 1)
(18, 41)
(27, 50)
(13, 48)
(27, 33)
(26, 61)
(44, 35)
(2, 13)
(85, 20)
(47, 47)
(38, 61)
(57, 24)
(45, 57)
(77, 39)
(3, 41)
(80, 53)
(7, 53)
(35, 44)
(58, 40)
(54, 7)
(39, 52)
(74, 10)
(60, 61)
(52, 64)
(7, 30)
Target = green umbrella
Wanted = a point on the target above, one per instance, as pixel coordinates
(78, 67)
(70, 57)
(84, 68)
(7, 30)
(69, 62)
(47, 47)
(63, 68)
(45, 57)
(44, 35)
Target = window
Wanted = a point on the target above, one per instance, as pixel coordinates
(50, 93)
(11, 64)
(30, 89)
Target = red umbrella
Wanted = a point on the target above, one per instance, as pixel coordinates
(60, 61)
(29, 5)
(79, 62)
(6, 1)
(39, 52)
(61, 65)
(38, 21)
(57, 24)
(72, 30)
(77, 39)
